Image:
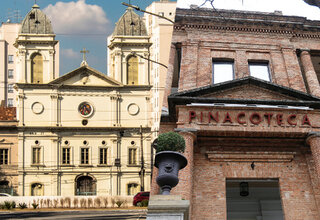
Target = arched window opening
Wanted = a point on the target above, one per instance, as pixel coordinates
(36, 189)
(5, 187)
(85, 186)
(36, 68)
(132, 70)
(132, 189)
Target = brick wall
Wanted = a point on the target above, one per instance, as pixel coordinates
(281, 151)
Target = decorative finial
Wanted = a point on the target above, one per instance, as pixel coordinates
(84, 59)
(35, 4)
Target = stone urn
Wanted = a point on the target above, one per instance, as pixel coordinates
(169, 163)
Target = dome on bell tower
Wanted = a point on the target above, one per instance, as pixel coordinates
(36, 22)
(130, 24)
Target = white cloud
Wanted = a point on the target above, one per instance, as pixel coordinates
(77, 18)
(70, 53)
(288, 7)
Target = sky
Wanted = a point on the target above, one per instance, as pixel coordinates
(77, 24)
(87, 23)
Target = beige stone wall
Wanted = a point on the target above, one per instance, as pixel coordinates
(9, 140)
(51, 122)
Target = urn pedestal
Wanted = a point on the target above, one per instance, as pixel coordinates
(169, 163)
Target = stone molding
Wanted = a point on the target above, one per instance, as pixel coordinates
(256, 156)
(312, 135)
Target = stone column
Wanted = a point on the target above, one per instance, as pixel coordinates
(310, 74)
(314, 141)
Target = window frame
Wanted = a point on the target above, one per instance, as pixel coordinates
(260, 63)
(62, 156)
(222, 61)
(39, 157)
(82, 162)
(10, 73)
(5, 154)
(10, 88)
(105, 156)
(10, 59)
(135, 156)
(10, 102)
(132, 185)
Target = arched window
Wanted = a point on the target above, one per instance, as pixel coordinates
(132, 189)
(4, 187)
(132, 70)
(36, 189)
(85, 186)
(36, 68)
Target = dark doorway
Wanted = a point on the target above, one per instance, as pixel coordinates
(85, 186)
(249, 199)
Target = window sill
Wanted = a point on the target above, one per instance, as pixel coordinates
(104, 165)
(37, 165)
(67, 165)
(133, 165)
(85, 165)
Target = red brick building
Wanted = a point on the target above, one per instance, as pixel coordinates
(243, 89)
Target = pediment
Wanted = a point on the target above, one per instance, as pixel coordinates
(248, 88)
(86, 76)
(246, 92)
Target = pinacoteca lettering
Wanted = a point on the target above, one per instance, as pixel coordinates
(254, 118)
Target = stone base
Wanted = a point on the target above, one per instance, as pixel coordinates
(168, 207)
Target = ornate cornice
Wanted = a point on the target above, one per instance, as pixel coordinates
(241, 21)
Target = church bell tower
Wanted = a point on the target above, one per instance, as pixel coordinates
(129, 51)
(38, 51)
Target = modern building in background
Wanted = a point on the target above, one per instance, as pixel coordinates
(248, 106)
(8, 73)
(160, 32)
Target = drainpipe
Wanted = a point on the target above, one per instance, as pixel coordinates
(58, 167)
(23, 166)
(142, 161)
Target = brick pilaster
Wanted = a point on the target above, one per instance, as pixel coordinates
(310, 74)
(314, 141)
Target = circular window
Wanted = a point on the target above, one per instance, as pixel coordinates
(133, 109)
(37, 108)
(36, 142)
(84, 122)
(66, 142)
(85, 109)
(85, 142)
(103, 142)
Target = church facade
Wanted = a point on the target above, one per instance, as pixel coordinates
(248, 106)
(84, 133)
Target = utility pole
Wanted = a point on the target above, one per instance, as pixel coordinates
(142, 170)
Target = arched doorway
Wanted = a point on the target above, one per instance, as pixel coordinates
(36, 68)
(36, 189)
(85, 186)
